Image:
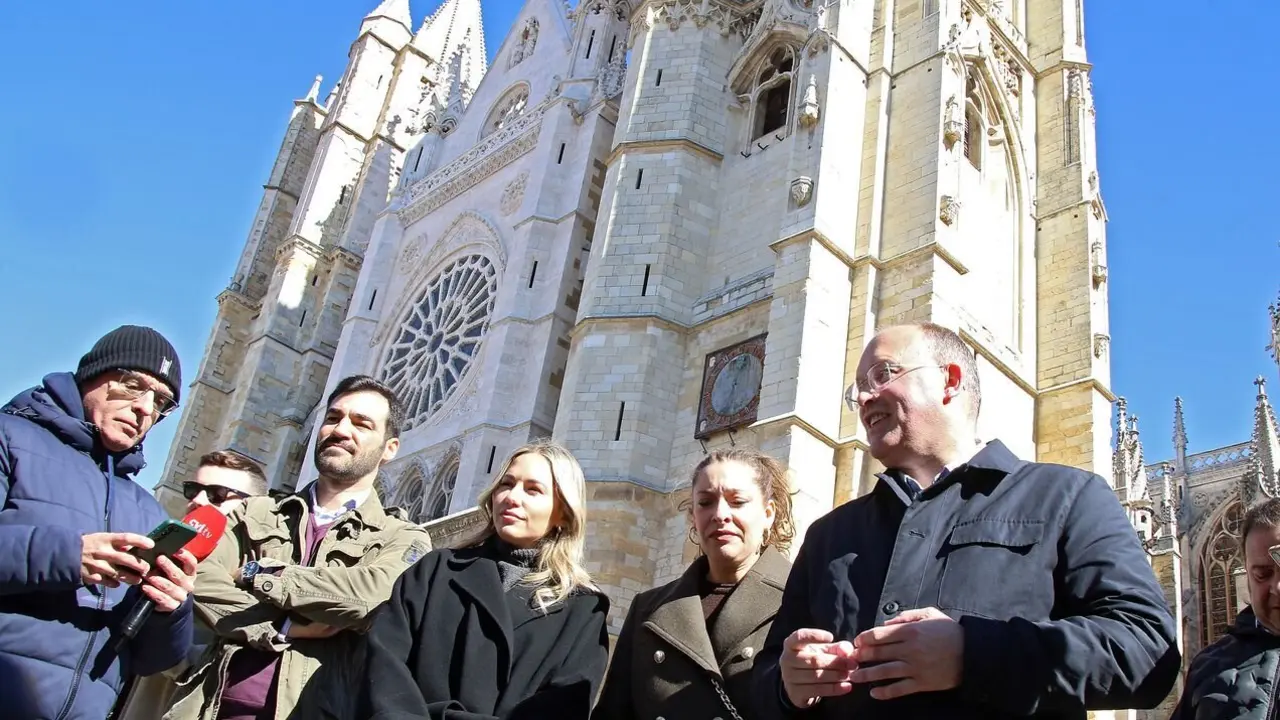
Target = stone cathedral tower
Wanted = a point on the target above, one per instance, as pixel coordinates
(786, 177)
(279, 319)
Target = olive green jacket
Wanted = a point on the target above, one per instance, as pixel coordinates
(359, 559)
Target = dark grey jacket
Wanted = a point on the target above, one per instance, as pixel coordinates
(1060, 609)
(1235, 677)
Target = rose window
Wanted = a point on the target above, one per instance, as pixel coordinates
(440, 336)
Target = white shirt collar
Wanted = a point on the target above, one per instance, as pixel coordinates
(328, 517)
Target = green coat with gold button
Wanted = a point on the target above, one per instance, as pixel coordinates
(664, 663)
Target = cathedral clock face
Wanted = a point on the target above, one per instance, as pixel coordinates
(736, 384)
(731, 387)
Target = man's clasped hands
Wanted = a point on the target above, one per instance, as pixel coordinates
(917, 651)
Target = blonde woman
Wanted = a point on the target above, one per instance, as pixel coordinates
(687, 648)
(508, 626)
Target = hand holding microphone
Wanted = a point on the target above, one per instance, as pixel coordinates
(167, 590)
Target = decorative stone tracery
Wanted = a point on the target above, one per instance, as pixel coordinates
(439, 337)
(1219, 563)
(509, 107)
(513, 194)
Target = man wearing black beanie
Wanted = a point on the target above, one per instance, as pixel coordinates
(69, 515)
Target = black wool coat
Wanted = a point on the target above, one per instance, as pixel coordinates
(665, 662)
(444, 647)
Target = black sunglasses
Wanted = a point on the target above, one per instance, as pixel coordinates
(217, 494)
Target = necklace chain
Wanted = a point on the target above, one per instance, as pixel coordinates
(724, 698)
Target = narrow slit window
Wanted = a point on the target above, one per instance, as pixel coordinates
(639, 177)
(560, 158)
(617, 431)
(613, 47)
(342, 196)
(533, 273)
(302, 319)
(493, 452)
(417, 159)
(591, 40)
(644, 287)
(373, 297)
(314, 280)
(659, 82)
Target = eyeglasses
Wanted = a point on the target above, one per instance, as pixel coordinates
(133, 386)
(217, 494)
(877, 377)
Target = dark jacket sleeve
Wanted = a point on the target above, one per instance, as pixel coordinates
(1113, 645)
(34, 559)
(165, 638)
(793, 614)
(388, 688)
(615, 700)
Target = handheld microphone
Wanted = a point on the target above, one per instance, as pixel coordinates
(209, 524)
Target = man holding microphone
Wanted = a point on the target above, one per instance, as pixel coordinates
(70, 514)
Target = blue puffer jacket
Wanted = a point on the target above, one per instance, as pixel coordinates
(56, 484)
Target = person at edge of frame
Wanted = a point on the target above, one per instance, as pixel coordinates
(70, 513)
(1235, 677)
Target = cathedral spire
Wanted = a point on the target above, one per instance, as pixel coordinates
(1265, 443)
(396, 10)
(314, 93)
(454, 25)
(1179, 436)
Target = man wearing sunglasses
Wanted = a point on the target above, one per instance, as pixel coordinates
(1238, 676)
(70, 514)
(224, 479)
(968, 583)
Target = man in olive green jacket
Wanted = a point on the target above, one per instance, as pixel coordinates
(290, 588)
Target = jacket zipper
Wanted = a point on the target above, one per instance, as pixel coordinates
(102, 604)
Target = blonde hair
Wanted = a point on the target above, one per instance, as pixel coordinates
(775, 489)
(559, 571)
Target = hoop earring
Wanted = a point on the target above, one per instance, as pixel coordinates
(694, 538)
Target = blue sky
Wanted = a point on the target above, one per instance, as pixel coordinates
(134, 144)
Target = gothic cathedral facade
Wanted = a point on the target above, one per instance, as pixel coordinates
(650, 228)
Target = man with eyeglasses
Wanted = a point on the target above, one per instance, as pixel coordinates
(70, 514)
(223, 479)
(968, 583)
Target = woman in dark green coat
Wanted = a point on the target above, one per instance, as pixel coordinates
(686, 648)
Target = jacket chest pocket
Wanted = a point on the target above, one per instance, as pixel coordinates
(995, 568)
(269, 541)
(351, 552)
